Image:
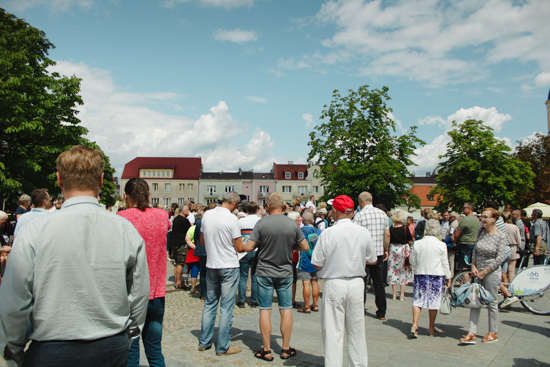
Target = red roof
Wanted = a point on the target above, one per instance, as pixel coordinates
(280, 170)
(184, 168)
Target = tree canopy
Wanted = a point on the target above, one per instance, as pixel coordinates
(478, 168)
(38, 110)
(358, 149)
(536, 152)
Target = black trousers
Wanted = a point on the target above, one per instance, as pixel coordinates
(379, 284)
(111, 351)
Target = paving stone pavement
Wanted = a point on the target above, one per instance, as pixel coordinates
(524, 338)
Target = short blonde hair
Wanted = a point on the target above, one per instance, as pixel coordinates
(398, 217)
(275, 201)
(80, 168)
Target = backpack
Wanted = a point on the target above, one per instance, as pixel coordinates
(316, 223)
(311, 238)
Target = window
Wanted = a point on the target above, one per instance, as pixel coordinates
(287, 188)
(262, 202)
(181, 201)
(264, 189)
(300, 175)
(155, 200)
(191, 199)
(148, 173)
(302, 190)
(167, 187)
(208, 201)
(287, 175)
(155, 187)
(315, 189)
(154, 173)
(189, 187)
(182, 187)
(163, 173)
(211, 190)
(167, 202)
(229, 189)
(143, 173)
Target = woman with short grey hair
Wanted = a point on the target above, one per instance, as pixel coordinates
(24, 206)
(431, 269)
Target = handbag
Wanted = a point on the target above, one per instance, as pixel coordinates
(446, 308)
(471, 295)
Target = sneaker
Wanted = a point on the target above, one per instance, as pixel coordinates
(240, 304)
(508, 301)
(468, 339)
(231, 350)
(202, 349)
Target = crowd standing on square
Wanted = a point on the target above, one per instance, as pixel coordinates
(82, 283)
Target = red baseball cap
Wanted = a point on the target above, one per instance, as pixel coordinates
(343, 204)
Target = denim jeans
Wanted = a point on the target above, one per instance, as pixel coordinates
(283, 287)
(246, 265)
(110, 351)
(202, 264)
(151, 335)
(221, 287)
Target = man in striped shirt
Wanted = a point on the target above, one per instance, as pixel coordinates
(376, 221)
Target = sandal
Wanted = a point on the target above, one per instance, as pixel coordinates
(468, 339)
(314, 308)
(193, 290)
(490, 338)
(290, 352)
(304, 310)
(414, 333)
(263, 354)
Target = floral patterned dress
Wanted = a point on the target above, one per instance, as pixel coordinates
(398, 272)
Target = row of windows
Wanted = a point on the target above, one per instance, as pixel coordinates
(147, 173)
(288, 175)
(301, 189)
(168, 187)
(168, 201)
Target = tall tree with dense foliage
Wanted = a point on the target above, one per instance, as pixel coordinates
(38, 110)
(477, 167)
(358, 149)
(536, 152)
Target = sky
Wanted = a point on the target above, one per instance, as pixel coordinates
(242, 83)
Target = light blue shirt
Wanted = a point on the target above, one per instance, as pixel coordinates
(79, 273)
(27, 217)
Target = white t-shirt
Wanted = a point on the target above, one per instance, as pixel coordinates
(343, 250)
(310, 204)
(247, 225)
(220, 227)
(191, 218)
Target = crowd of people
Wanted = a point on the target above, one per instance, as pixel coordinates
(78, 279)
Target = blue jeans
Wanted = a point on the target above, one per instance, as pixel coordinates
(221, 287)
(246, 265)
(151, 335)
(202, 264)
(283, 287)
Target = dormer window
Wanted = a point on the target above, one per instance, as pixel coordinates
(287, 175)
(300, 175)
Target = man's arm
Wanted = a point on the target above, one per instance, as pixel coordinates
(387, 238)
(456, 235)
(302, 246)
(202, 239)
(238, 244)
(249, 246)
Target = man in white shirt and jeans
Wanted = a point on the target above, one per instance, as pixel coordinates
(341, 253)
(221, 235)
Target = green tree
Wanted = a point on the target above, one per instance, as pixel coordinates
(478, 168)
(358, 150)
(38, 110)
(536, 152)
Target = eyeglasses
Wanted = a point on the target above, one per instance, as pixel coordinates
(486, 216)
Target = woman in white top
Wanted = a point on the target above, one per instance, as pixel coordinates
(431, 275)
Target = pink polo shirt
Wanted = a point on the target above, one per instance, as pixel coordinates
(153, 225)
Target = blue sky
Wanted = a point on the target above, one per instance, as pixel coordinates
(241, 83)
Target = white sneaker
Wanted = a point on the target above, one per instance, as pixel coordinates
(508, 301)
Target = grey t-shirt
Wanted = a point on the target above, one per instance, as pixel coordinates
(275, 236)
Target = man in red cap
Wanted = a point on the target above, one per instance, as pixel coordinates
(341, 254)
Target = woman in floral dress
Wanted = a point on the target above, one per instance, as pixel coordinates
(399, 272)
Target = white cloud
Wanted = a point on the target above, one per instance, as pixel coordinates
(427, 157)
(309, 120)
(432, 41)
(226, 4)
(490, 116)
(127, 125)
(543, 79)
(257, 99)
(55, 6)
(235, 35)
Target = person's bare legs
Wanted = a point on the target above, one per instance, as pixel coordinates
(403, 291)
(432, 314)
(505, 291)
(286, 327)
(193, 283)
(293, 294)
(307, 292)
(416, 316)
(394, 289)
(265, 329)
(315, 291)
(178, 272)
(511, 270)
